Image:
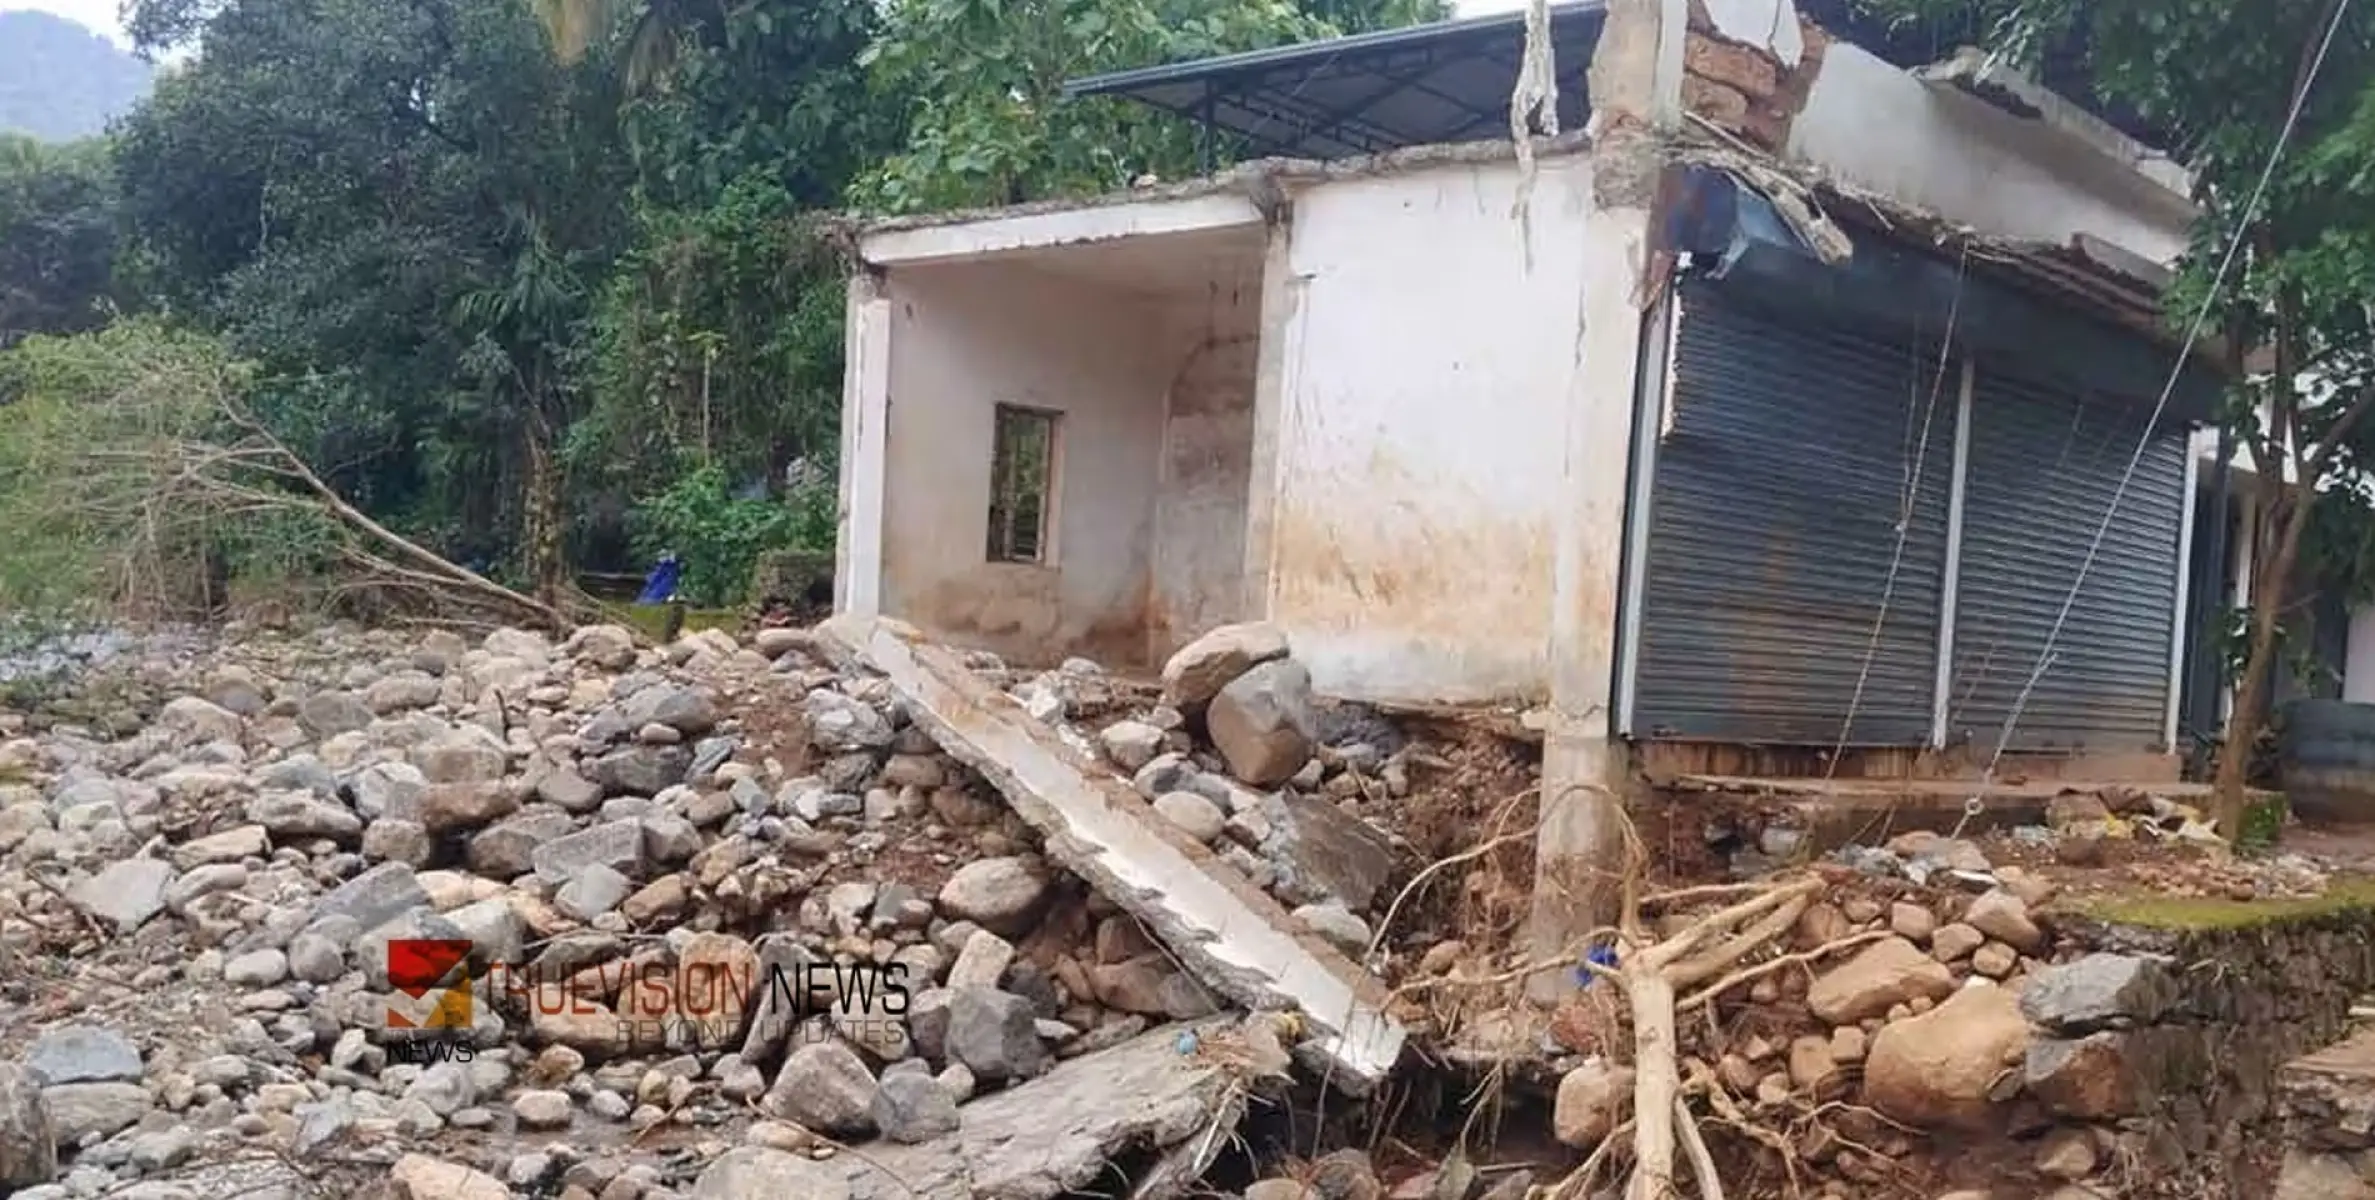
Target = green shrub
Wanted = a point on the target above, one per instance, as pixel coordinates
(719, 537)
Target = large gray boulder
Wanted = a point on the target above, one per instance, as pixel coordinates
(995, 1034)
(825, 1086)
(998, 894)
(127, 893)
(755, 1173)
(1263, 724)
(1200, 669)
(83, 1054)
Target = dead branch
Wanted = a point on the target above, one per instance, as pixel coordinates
(1755, 937)
(1651, 972)
(1694, 1145)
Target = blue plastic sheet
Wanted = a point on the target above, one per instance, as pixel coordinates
(660, 586)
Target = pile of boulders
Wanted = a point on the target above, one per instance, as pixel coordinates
(1938, 1018)
(1238, 753)
(220, 889)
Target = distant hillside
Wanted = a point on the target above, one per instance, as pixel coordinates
(59, 81)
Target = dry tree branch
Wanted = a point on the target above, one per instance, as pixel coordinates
(1694, 1145)
(1651, 972)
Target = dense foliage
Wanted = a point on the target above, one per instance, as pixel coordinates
(57, 237)
(541, 284)
(2227, 86)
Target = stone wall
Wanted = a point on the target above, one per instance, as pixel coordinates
(2169, 1044)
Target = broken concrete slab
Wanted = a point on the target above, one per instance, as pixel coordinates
(1326, 853)
(1165, 1088)
(1231, 934)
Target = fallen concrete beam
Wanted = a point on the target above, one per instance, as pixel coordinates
(1046, 1138)
(1226, 931)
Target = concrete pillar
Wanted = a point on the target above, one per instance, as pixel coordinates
(865, 443)
(2358, 664)
(1282, 295)
(1586, 771)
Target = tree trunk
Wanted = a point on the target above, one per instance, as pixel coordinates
(542, 526)
(2243, 725)
(2252, 692)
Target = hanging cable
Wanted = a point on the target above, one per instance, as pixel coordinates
(1909, 504)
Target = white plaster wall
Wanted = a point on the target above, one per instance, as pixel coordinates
(2358, 666)
(963, 339)
(1200, 511)
(1876, 126)
(1431, 344)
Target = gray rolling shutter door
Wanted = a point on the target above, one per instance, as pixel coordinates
(1773, 522)
(2043, 467)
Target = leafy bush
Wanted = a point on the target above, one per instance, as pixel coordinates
(719, 536)
(100, 428)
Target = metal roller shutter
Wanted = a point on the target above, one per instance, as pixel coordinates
(1779, 485)
(2044, 465)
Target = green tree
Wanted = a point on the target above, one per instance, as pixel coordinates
(401, 211)
(715, 347)
(2229, 85)
(982, 86)
(57, 237)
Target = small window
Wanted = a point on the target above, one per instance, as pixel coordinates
(1022, 480)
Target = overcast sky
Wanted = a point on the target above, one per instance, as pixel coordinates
(101, 14)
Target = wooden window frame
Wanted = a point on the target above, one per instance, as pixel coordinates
(1008, 488)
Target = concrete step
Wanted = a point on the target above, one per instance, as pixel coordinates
(2327, 1099)
(1835, 812)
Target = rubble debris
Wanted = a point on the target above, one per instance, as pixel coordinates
(1037, 1141)
(595, 809)
(1234, 937)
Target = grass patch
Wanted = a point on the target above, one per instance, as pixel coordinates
(651, 620)
(2263, 821)
(2207, 913)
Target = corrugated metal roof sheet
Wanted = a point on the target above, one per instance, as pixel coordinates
(1445, 82)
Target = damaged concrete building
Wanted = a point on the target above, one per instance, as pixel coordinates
(1771, 412)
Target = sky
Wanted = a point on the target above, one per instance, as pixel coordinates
(100, 15)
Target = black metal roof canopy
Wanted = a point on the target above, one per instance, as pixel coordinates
(1365, 94)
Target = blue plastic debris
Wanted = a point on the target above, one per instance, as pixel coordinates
(660, 586)
(1186, 1043)
(1602, 955)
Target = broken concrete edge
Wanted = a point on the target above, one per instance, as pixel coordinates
(1231, 935)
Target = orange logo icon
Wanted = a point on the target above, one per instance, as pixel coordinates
(418, 966)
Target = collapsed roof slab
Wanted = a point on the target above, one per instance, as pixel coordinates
(1229, 933)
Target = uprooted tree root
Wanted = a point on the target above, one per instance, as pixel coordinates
(1663, 978)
